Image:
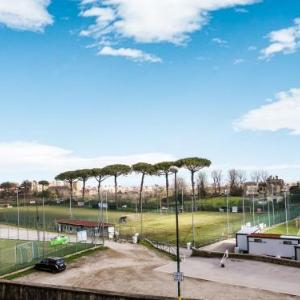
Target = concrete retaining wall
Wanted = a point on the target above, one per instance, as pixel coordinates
(268, 259)
(10, 290)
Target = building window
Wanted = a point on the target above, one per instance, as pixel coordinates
(257, 240)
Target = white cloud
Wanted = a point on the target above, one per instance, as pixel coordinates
(284, 41)
(150, 21)
(282, 113)
(238, 61)
(21, 160)
(133, 54)
(25, 14)
(219, 41)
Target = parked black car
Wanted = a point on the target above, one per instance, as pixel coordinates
(51, 264)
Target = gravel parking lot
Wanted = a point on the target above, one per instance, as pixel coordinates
(136, 269)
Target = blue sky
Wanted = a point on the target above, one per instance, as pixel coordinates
(93, 82)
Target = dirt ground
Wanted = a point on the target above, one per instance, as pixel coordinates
(131, 268)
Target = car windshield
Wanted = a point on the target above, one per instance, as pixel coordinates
(60, 261)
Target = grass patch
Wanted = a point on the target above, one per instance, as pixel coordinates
(209, 226)
(281, 229)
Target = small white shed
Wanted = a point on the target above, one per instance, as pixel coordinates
(242, 237)
(273, 245)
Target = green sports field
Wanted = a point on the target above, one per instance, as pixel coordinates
(209, 226)
(281, 228)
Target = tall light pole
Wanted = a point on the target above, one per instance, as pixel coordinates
(244, 216)
(273, 210)
(286, 212)
(178, 276)
(102, 219)
(141, 213)
(182, 199)
(268, 206)
(253, 209)
(18, 212)
(227, 212)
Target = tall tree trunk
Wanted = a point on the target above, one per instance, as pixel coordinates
(116, 192)
(141, 189)
(71, 196)
(167, 189)
(71, 190)
(99, 189)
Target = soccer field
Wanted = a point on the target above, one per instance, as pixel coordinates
(282, 229)
(209, 226)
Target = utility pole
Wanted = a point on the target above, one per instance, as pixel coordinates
(178, 276)
(182, 199)
(286, 212)
(141, 213)
(227, 213)
(253, 209)
(244, 216)
(18, 212)
(44, 224)
(268, 205)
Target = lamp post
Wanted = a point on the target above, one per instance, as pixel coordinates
(273, 211)
(268, 205)
(178, 275)
(244, 216)
(18, 212)
(286, 212)
(253, 209)
(227, 212)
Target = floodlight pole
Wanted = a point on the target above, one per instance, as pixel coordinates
(286, 212)
(253, 209)
(227, 212)
(268, 205)
(102, 219)
(18, 212)
(177, 235)
(106, 207)
(244, 216)
(44, 223)
(141, 215)
(182, 199)
(273, 211)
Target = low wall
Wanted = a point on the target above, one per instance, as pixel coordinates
(268, 259)
(10, 290)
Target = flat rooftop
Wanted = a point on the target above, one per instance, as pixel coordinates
(84, 223)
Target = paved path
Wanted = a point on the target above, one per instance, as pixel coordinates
(221, 246)
(253, 274)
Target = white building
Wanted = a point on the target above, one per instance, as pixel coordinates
(242, 237)
(275, 245)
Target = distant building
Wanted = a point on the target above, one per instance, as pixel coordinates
(93, 228)
(273, 186)
(251, 188)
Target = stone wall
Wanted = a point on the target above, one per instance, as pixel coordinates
(10, 290)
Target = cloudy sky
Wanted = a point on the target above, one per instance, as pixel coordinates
(85, 83)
